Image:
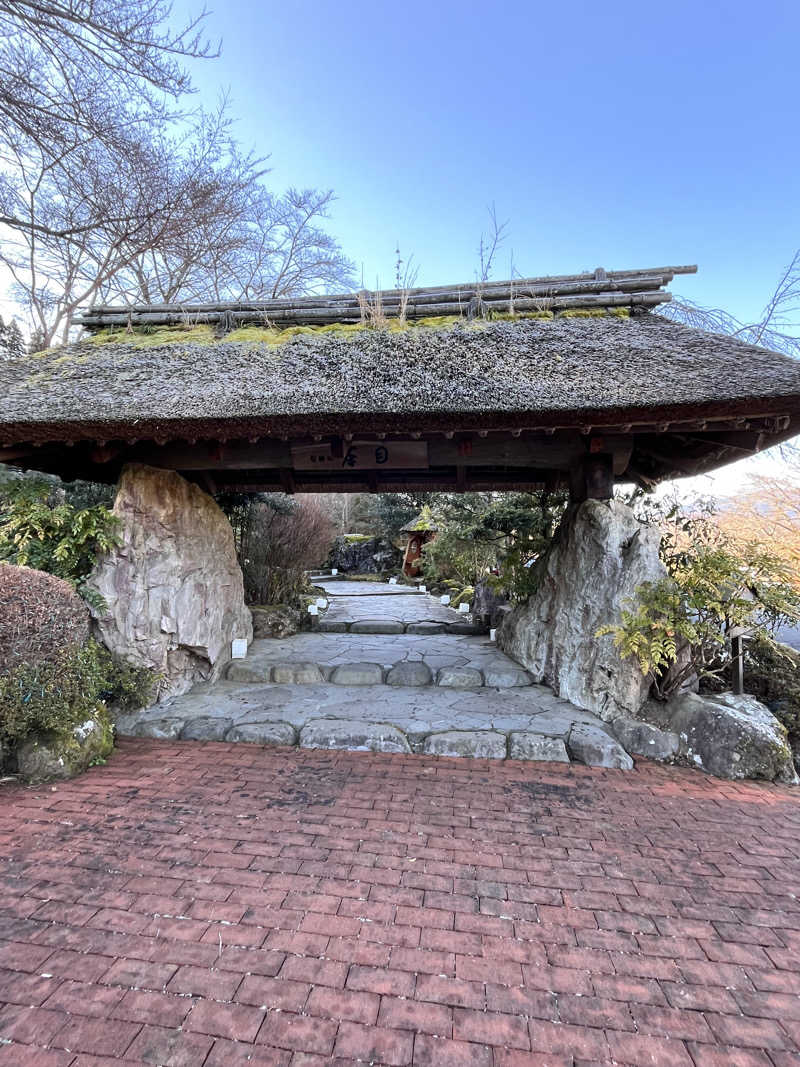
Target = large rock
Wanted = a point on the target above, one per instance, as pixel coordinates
(600, 556)
(727, 735)
(173, 591)
(477, 744)
(371, 555)
(52, 756)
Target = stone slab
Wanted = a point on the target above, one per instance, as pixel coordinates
(459, 678)
(354, 735)
(242, 671)
(263, 733)
(426, 628)
(465, 629)
(596, 748)
(505, 676)
(358, 674)
(377, 626)
(332, 626)
(206, 728)
(475, 744)
(159, 729)
(297, 674)
(525, 745)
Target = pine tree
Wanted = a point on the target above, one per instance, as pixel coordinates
(12, 343)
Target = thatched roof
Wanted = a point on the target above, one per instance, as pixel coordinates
(423, 523)
(569, 357)
(526, 373)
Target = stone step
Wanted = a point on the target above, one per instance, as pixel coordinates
(576, 743)
(392, 626)
(409, 673)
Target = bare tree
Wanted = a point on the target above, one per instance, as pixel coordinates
(489, 244)
(777, 327)
(78, 70)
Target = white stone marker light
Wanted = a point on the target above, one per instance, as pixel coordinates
(444, 598)
(493, 635)
(392, 581)
(313, 609)
(423, 588)
(463, 607)
(334, 570)
(322, 602)
(238, 648)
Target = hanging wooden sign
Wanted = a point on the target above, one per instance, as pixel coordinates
(361, 455)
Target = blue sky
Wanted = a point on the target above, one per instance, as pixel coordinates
(617, 135)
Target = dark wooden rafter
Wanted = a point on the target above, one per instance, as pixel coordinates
(459, 461)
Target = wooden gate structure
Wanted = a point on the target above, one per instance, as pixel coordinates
(543, 382)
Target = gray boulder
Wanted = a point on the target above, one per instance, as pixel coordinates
(729, 736)
(600, 556)
(410, 674)
(475, 744)
(594, 747)
(642, 739)
(353, 735)
(172, 590)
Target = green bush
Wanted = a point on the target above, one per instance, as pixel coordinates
(52, 697)
(39, 530)
(772, 674)
(56, 696)
(677, 628)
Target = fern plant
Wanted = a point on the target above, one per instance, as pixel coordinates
(677, 628)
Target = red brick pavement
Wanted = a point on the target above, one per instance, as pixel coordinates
(209, 904)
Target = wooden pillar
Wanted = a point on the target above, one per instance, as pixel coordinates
(737, 660)
(592, 478)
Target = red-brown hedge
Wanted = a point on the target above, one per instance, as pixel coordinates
(40, 616)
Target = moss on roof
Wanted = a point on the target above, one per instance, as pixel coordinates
(527, 371)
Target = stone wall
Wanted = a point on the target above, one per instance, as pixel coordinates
(601, 554)
(173, 590)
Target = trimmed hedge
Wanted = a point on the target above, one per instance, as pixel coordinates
(41, 617)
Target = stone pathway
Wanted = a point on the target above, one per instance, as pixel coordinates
(220, 905)
(437, 693)
(377, 607)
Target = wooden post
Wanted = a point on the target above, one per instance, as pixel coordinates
(737, 660)
(593, 478)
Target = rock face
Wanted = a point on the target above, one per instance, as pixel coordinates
(173, 589)
(730, 736)
(487, 604)
(370, 556)
(601, 554)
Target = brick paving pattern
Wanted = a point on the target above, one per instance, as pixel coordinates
(210, 905)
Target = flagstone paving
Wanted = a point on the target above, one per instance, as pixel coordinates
(206, 905)
(439, 693)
